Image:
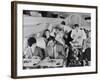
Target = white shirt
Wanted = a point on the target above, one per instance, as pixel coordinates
(40, 42)
(59, 38)
(78, 36)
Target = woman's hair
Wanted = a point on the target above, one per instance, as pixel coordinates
(63, 23)
(44, 34)
(31, 41)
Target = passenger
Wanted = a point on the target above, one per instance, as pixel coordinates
(78, 37)
(28, 53)
(59, 46)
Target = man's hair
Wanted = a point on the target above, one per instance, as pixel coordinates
(76, 25)
(31, 41)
